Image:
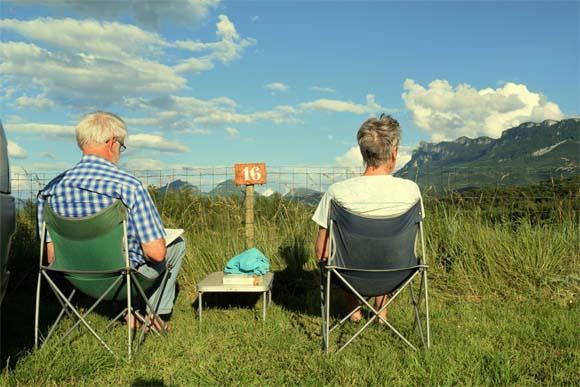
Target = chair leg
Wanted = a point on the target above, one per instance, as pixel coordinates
(326, 311)
(93, 306)
(417, 319)
(59, 317)
(64, 307)
(322, 306)
(376, 313)
(420, 292)
(427, 310)
(129, 314)
(153, 316)
(37, 309)
(81, 319)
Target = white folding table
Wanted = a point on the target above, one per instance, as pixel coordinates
(214, 283)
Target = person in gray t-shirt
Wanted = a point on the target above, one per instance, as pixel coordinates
(375, 193)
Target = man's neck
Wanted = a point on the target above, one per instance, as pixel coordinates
(98, 152)
(384, 169)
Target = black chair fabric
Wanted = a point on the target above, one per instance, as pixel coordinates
(374, 255)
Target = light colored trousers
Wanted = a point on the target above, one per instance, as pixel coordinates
(153, 270)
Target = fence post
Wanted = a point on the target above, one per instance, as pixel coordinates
(249, 204)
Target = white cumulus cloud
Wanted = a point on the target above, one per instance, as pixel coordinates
(146, 13)
(184, 113)
(449, 112)
(90, 63)
(323, 89)
(35, 103)
(155, 142)
(232, 132)
(276, 87)
(194, 65)
(352, 158)
(94, 38)
(141, 164)
(334, 105)
(15, 150)
(51, 130)
(229, 46)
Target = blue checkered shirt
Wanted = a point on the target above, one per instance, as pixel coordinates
(93, 185)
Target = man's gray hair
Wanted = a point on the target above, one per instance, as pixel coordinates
(100, 127)
(377, 137)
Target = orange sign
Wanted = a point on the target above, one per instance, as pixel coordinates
(250, 174)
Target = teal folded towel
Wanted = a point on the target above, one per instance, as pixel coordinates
(251, 261)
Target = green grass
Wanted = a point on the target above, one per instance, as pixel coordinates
(503, 298)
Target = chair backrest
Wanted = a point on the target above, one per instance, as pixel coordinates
(91, 244)
(373, 254)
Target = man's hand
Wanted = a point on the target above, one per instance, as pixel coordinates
(322, 244)
(155, 251)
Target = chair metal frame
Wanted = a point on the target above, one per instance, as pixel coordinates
(125, 275)
(328, 268)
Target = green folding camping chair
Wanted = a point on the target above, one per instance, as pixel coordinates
(371, 256)
(92, 254)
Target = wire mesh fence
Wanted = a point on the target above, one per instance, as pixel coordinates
(289, 181)
(213, 180)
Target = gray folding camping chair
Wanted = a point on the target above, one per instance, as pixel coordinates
(372, 256)
(92, 254)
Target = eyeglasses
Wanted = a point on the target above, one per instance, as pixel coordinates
(122, 146)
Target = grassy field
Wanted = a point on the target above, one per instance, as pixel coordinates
(504, 306)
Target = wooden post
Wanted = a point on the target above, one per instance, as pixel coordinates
(249, 204)
(249, 174)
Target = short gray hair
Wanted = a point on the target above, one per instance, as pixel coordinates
(377, 137)
(99, 127)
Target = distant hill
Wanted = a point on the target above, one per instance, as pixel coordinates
(178, 185)
(305, 195)
(526, 154)
(229, 188)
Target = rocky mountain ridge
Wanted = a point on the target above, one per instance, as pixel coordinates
(525, 154)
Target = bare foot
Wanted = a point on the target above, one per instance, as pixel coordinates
(383, 315)
(131, 320)
(356, 316)
(380, 301)
(158, 324)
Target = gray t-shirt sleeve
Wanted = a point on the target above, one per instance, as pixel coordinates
(321, 214)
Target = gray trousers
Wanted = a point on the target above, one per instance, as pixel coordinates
(153, 270)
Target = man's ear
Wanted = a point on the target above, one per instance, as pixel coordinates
(109, 145)
(394, 153)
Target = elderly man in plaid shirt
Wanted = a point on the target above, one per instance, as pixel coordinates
(96, 182)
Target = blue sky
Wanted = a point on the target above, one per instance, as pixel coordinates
(211, 83)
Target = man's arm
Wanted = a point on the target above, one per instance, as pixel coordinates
(148, 225)
(155, 250)
(50, 252)
(322, 244)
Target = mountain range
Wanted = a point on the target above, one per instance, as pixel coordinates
(523, 155)
(225, 188)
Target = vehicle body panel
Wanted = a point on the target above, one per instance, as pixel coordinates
(7, 213)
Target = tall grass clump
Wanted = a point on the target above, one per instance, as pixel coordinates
(215, 231)
(475, 248)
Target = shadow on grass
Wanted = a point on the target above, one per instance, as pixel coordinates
(18, 313)
(17, 318)
(294, 288)
(147, 382)
(297, 289)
